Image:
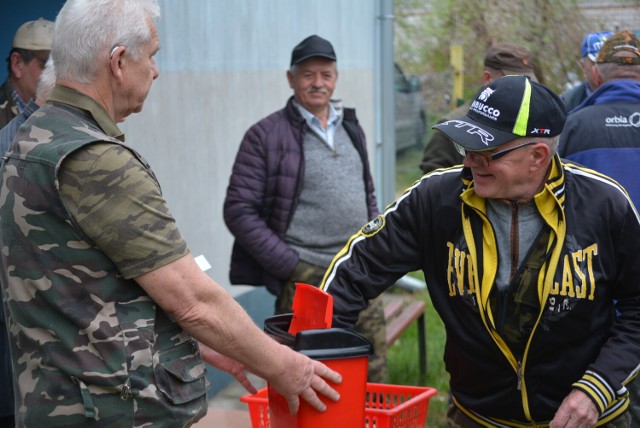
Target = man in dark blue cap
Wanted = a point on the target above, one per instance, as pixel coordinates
(300, 186)
(524, 256)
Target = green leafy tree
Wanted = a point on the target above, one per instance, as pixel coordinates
(426, 30)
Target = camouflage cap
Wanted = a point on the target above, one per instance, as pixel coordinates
(622, 48)
(510, 58)
(34, 35)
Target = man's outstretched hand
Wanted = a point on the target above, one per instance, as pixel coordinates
(306, 378)
(236, 369)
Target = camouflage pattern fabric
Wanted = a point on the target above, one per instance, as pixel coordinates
(516, 308)
(89, 347)
(370, 323)
(7, 108)
(623, 41)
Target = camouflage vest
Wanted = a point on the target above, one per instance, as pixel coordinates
(89, 347)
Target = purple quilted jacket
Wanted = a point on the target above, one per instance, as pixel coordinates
(263, 191)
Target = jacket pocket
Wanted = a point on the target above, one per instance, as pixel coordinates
(180, 373)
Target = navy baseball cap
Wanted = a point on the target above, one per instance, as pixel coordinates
(593, 42)
(310, 47)
(508, 108)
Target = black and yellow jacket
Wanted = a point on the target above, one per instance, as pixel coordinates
(582, 330)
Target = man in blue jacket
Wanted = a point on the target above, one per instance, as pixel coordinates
(524, 256)
(603, 132)
(300, 186)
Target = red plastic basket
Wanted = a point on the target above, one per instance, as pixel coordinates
(386, 406)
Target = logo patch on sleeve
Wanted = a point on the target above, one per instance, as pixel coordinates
(373, 226)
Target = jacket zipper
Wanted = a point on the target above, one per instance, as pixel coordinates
(515, 238)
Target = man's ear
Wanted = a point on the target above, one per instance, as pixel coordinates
(16, 62)
(116, 60)
(540, 155)
(487, 77)
(290, 78)
(597, 77)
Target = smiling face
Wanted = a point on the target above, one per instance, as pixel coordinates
(313, 82)
(516, 176)
(137, 75)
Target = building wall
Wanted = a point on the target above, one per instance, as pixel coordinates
(15, 13)
(222, 68)
(612, 15)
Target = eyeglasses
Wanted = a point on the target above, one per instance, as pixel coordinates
(484, 158)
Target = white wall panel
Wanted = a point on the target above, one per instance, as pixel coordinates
(222, 67)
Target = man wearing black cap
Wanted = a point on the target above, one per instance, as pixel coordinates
(523, 256)
(300, 186)
(501, 59)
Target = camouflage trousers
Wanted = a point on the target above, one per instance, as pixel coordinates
(457, 419)
(370, 322)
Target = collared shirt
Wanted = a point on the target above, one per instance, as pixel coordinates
(72, 97)
(8, 133)
(16, 98)
(587, 90)
(334, 119)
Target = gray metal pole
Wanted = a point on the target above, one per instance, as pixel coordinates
(385, 169)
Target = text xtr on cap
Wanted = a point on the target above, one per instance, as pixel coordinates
(507, 108)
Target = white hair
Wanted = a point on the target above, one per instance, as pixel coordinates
(47, 81)
(86, 31)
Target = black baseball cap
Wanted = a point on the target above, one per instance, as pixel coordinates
(508, 108)
(310, 47)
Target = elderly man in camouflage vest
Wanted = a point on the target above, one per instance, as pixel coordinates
(104, 302)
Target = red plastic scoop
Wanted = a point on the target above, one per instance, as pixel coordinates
(312, 309)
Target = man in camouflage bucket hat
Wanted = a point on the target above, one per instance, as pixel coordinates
(104, 302)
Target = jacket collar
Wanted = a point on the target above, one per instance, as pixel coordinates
(551, 196)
